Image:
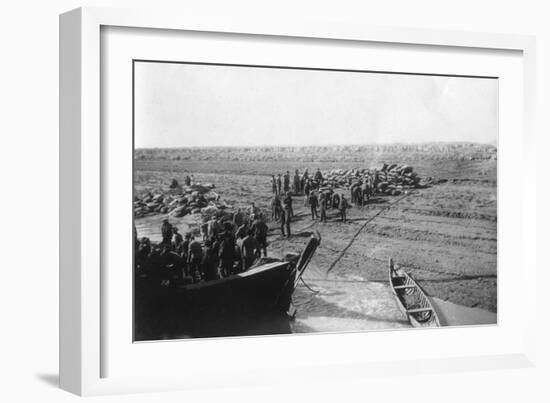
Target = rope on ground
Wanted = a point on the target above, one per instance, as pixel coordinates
(308, 287)
(383, 209)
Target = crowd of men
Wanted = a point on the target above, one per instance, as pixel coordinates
(319, 194)
(228, 246)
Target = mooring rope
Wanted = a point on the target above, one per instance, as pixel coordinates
(383, 209)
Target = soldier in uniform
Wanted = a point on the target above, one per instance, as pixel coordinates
(297, 187)
(313, 202)
(286, 216)
(259, 230)
(209, 261)
(166, 231)
(275, 208)
(323, 206)
(286, 182)
(250, 250)
(279, 184)
(194, 259)
(227, 252)
(342, 207)
(273, 185)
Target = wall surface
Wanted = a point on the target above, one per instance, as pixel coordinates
(29, 202)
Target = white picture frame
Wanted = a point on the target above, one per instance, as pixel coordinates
(82, 305)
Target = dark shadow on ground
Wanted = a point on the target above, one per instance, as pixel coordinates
(49, 379)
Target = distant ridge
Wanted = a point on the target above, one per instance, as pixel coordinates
(321, 153)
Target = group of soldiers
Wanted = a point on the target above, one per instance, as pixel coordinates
(231, 247)
(298, 184)
(319, 194)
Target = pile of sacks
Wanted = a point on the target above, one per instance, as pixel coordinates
(392, 179)
(194, 199)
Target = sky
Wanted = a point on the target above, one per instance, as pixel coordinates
(182, 105)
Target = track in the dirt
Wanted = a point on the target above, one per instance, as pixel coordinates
(354, 237)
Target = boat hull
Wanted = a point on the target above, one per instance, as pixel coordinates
(231, 306)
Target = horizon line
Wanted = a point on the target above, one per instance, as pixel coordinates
(319, 145)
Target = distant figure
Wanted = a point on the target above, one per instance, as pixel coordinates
(365, 191)
(227, 252)
(166, 231)
(194, 259)
(335, 200)
(358, 195)
(174, 184)
(276, 208)
(279, 184)
(286, 216)
(253, 210)
(343, 207)
(259, 229)
(184, 253)
(209, 261)
(307, 190)
(204, 227)
(318, 176)
(375, 181)
(250, 250)
(273, 185)
(177, 239)
(304, 179)
(297, 187)
(187, 180)
(313, 202)
(323, 206)
(352, 191)
(286, 182)
(239, 218)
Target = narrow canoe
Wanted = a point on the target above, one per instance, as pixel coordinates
(411, 298)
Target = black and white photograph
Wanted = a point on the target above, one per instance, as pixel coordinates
(274, 200)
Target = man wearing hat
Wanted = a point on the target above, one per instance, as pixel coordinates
(167, 231)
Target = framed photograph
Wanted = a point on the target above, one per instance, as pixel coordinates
(237, 197)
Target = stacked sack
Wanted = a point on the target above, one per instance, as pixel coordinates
(195, 199)
(392, 179)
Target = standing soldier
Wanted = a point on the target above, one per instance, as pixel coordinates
(352, 191)
(364, 191)
(275, 208)
(259, 229)
(297, 187)
(250, 250)
(319, 176)
(358, 195)
(184, 253)
(194, 259)
(323, 205)
(342, 207)
(307, 190)
(313, 202)
(375, 181)
(273, 185)
(287, 214)
(286, 182)
(279, 184)
(166, 231)
(335, 200)
(227, 252)
(178, 238)
(209, 261)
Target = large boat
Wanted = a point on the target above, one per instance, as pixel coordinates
(411, 298)
(264, 289)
